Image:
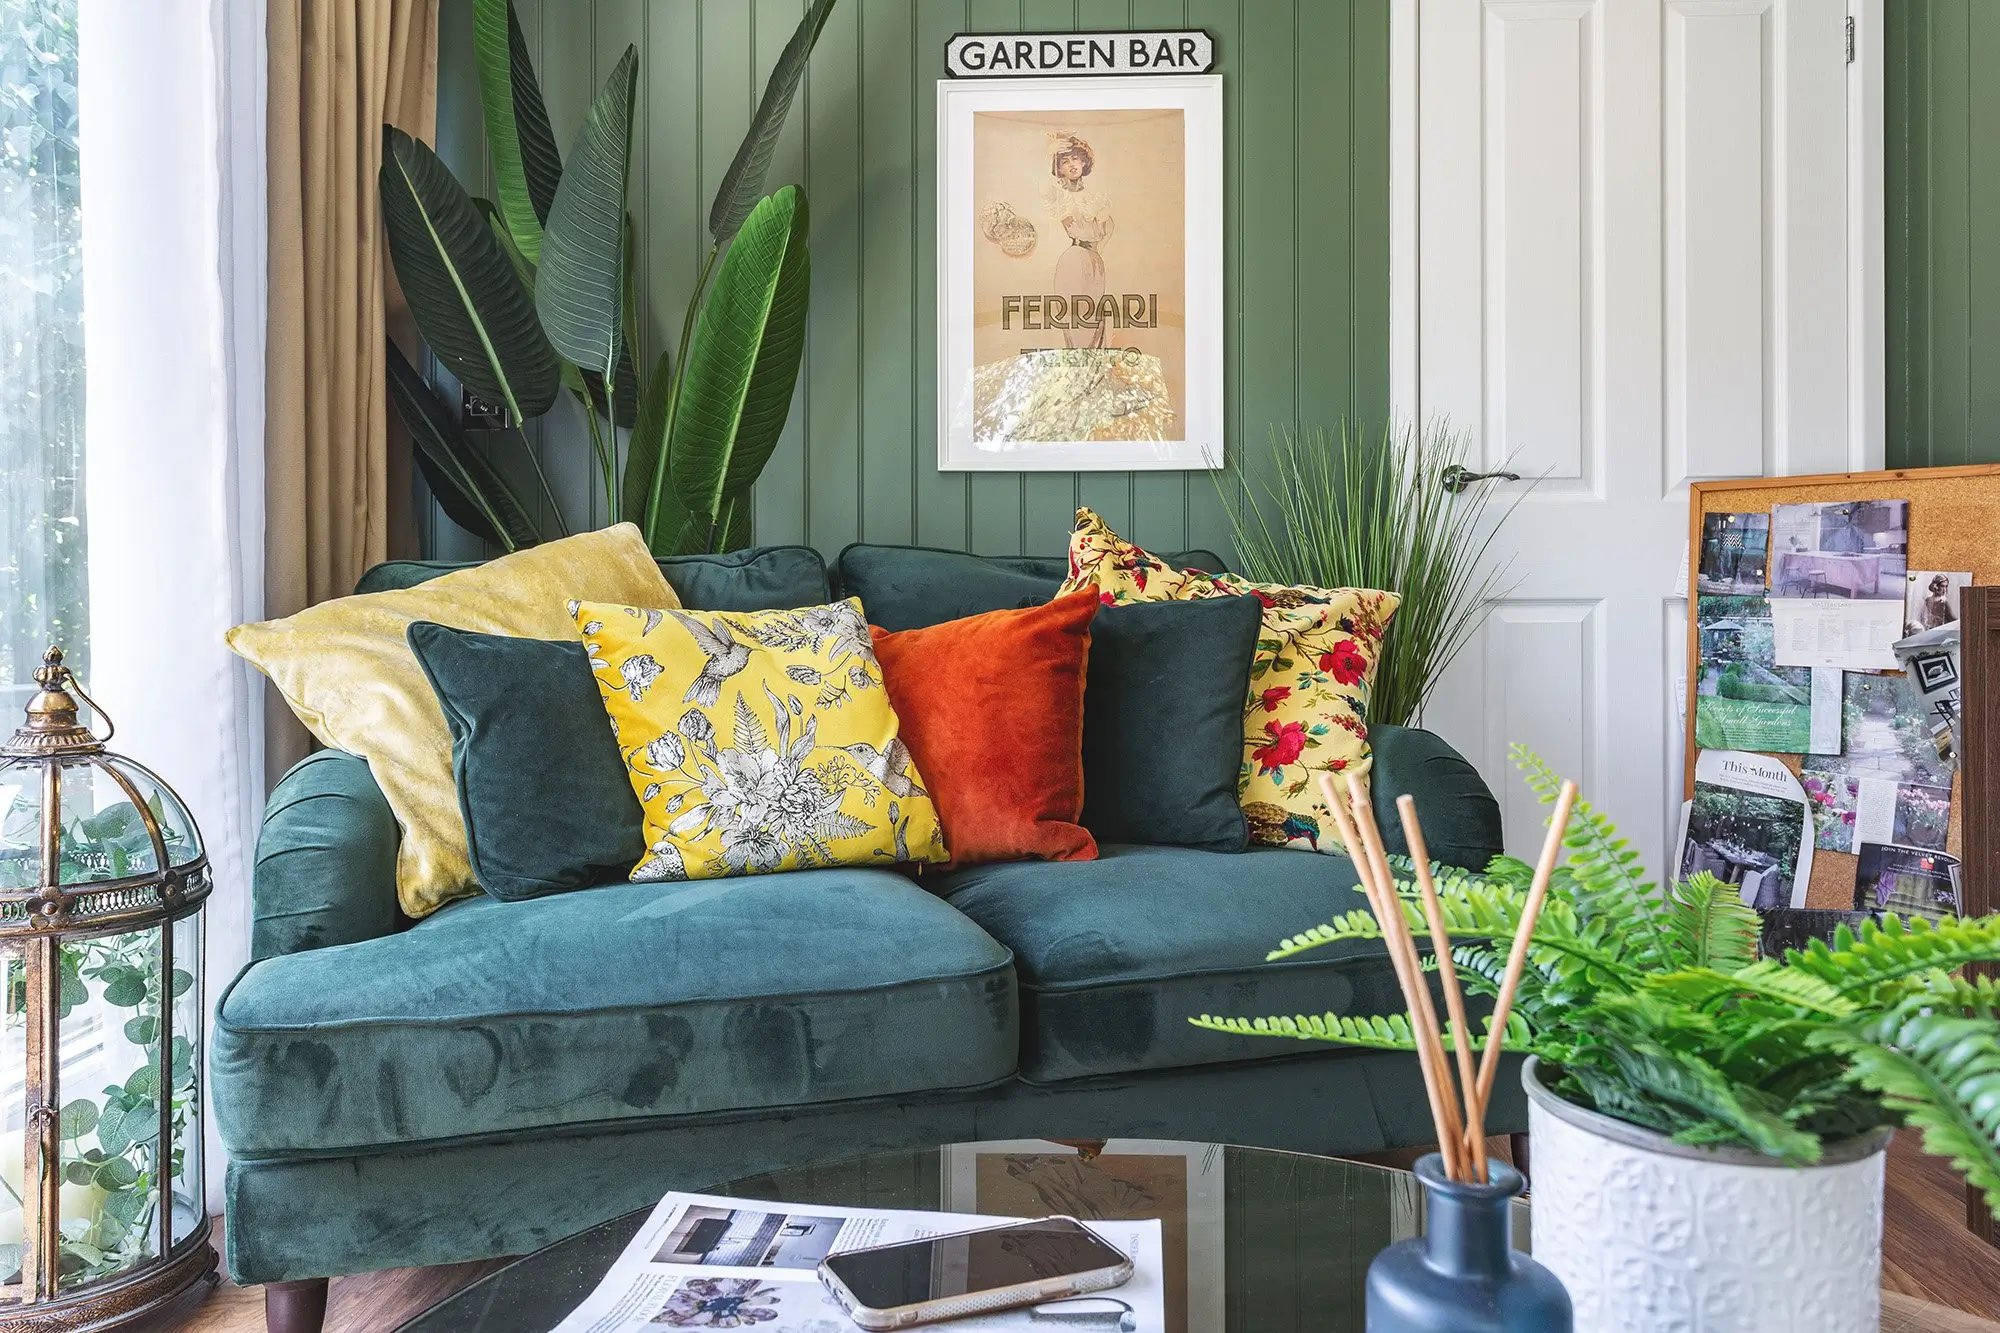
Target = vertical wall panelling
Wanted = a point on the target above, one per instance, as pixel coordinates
(943, 499)
(1942, 165)
(1306, 226)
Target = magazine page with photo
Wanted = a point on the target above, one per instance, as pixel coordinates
(704, 1262)
(1748, 825)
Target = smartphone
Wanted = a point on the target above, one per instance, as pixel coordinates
(972, 1272)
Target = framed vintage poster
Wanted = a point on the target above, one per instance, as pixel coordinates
(1080, 267)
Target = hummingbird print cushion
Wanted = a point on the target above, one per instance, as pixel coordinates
(757, 741)
(1310, 674)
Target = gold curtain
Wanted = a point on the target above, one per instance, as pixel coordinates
(336, 494)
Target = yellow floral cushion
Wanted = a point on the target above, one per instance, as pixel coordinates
(758, 740)
(1309, 678)
(346, 669)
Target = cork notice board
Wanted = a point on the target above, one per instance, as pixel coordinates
(1954, 525)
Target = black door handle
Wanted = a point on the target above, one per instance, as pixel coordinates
(1458, 476)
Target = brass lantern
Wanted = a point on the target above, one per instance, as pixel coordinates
(102, 878)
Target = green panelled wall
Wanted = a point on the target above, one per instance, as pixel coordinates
(1306, 215)
(1942, 162)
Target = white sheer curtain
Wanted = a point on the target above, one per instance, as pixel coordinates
(171, 135)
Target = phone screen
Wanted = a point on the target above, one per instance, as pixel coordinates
(946, 1266)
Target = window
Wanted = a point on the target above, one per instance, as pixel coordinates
(43, 589)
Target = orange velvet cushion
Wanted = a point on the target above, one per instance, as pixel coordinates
(992, 709)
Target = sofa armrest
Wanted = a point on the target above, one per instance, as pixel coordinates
(326, 859)
(1461, 818)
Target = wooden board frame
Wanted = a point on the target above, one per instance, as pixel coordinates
(1954, 524)
(1979, 791)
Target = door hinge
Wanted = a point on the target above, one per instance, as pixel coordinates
(1850, 39)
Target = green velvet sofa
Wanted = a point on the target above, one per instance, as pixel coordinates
(499, 1075)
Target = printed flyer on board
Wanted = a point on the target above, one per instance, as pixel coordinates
(702, 1261)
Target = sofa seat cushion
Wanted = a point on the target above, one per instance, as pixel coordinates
(630, 1001)
(1115, 955)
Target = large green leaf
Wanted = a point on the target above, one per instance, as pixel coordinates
(468, 488)
(526, 165)
(580, 283)
(736, 387)
(470, 303)
(743, 183)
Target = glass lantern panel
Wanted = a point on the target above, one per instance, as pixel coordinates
(103, 833)
(188, 1203)
(13, 1108)
(176, 824)
(109, 1079)
(20, 824)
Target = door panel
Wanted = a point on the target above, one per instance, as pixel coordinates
(1627, 221)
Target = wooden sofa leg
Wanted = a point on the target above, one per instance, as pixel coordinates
(295, 1307)
(1517, 1148)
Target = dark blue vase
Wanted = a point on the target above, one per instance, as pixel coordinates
(1464, 1275)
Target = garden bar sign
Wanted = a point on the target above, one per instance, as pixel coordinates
(1049, 54)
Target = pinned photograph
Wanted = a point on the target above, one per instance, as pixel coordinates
(1908, 881)
(744, 1238)
(1930, 599)
(1743, 701)
(1856, 549)
(1748, 826)
(1735, 551)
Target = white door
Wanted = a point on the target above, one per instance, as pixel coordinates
(1623, 261)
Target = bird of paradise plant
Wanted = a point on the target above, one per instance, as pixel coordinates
(532, 296)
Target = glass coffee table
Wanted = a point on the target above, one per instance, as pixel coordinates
(1253, 1240)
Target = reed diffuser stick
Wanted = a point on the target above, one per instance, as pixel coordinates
(1517, 957)
(1454, 998)
(1371, 837)
(1355, 822)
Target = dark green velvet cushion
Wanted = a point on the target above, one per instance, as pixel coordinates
(1163, 722)
(1115, 955)
(909, 587)
(546, 800)
(758, 578)
(627, 1002)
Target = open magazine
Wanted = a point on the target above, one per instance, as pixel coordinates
(701, 1261)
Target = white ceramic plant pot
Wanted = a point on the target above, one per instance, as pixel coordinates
(1651, 1236)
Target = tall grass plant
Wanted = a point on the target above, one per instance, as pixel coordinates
(1342, 509)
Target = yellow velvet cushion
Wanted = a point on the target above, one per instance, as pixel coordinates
(1310, 675)
(346, 669)
(758, 740)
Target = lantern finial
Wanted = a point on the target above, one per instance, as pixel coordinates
(51, 726)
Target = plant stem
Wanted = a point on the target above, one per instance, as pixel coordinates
(597, 443)
(555, 510)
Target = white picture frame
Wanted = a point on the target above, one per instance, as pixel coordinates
(1171, 367)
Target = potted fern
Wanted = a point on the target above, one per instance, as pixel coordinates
(1709, 1127)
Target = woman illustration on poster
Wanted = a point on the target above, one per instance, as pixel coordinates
(1085, 217)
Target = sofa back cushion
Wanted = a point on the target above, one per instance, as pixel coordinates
(758, 578)
(911, 587)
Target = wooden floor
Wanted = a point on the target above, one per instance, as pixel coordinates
(1929, 1260)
